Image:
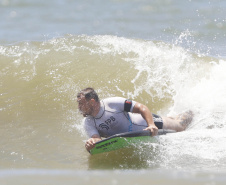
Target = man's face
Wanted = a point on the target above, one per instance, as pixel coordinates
(84, 106)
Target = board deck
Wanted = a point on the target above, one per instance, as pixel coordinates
(118, 141)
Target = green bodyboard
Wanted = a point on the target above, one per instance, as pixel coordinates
(123, 140)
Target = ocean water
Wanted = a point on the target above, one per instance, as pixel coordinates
(167, 54)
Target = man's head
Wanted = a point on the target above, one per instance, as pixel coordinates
(88, 101)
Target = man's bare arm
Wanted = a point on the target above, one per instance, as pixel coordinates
(147, 115)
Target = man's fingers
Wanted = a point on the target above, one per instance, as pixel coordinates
(89, 143)
(153, 130)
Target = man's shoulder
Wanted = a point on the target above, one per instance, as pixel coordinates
(119, 104)
(114, 104)
(114, 99)
(88, 119)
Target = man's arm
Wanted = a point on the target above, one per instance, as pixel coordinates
(90, 143)
(147, 115)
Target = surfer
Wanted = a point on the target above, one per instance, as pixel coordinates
(118, 115)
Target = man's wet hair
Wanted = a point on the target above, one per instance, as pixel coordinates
(89, 94)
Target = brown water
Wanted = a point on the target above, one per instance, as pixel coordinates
(42, 140)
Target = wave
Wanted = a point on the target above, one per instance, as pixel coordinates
(161, 75)
(40, 80)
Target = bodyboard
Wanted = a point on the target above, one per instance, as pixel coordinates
(126, 139)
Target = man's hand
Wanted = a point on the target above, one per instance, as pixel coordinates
(90, 143)
(153, 129)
